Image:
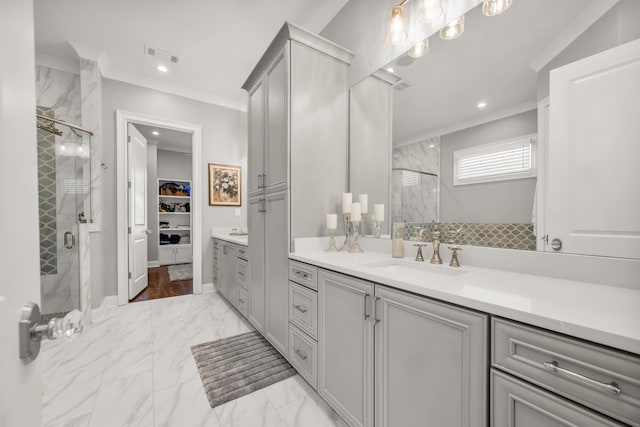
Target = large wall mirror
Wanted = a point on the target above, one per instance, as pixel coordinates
(477, 106)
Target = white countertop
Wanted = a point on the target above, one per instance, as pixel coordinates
(603, 314)
(223, 234)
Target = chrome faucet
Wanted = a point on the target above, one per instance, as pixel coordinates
(435, 239)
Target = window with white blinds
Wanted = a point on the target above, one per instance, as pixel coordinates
(496, 161)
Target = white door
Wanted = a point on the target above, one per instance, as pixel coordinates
(593, 204)
(20, 384)
(137, 173)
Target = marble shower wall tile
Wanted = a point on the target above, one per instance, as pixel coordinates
(91, 112)
(415, 193)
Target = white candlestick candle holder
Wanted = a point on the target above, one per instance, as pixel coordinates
(332, 241)
(355, 247)
(346, 246)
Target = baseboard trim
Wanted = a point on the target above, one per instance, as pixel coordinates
(208, 287)
(151, 264)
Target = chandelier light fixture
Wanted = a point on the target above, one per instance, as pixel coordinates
(420, 49)
(396, 27)
(453, 29)
(430, 10)
(495, 7)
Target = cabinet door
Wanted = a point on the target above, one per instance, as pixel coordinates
(256, 139)
(216, 263)
(592, 177)
(276, 143)
(256, 264)
(231, 272)
(166, 255)
(277, 271)
(517, 404)
(183, 254)
(431, 363)
(345, 338)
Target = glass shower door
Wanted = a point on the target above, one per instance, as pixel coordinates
(64, 200)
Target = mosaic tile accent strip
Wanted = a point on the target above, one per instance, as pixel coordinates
(47, 199)
(507, 236)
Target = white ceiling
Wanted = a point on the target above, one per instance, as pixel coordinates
(217, 42)
(490, 62)
(167, 139)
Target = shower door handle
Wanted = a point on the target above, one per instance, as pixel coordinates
(69, 240)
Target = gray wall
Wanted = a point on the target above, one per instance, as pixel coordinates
(616, 27)
(172, 164)
(152, 201)
(502, 201)
(224, 140)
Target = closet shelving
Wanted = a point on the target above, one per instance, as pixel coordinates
(171, 224)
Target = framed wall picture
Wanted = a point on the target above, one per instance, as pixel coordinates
(225, 185)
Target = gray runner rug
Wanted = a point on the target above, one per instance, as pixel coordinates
(233, 367)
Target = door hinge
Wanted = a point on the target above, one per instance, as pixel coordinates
(129, 275)
(128, 184)
(545, 239)
(129, 230)
(129, 139)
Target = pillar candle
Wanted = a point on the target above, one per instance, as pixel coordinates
(346, 203)
(364, 203)
(356, 212)
(378, 212)
(332, 221)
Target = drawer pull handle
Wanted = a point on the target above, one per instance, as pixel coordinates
(300, 354)
(241, 274)
(301, 274)
(611, 387)
(241, 300)
(301, 309)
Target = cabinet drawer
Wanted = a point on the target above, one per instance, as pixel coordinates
(303, 355)
(243, 253)
(303, 309)
(515, 403)
(243, 301)
(303, 274)
(602, 379)
(242, 273)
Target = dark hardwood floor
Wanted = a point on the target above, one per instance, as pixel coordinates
(161, 287)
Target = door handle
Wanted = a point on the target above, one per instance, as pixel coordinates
(148, 231)
(31, 332)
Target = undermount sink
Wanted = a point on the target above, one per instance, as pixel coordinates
(398, 266)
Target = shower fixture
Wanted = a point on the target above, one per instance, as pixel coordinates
(49, 126)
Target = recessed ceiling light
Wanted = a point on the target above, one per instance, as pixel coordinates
(390, 69)
(432, 145)
(162, 68)
(481, 104)
(155, 132)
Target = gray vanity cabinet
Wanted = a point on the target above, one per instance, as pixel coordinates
(227, 259)
(430, 357)
(515, 403)
(431, 362)
(276, 271)
(298, 137)
(256, 280)
(345, 337)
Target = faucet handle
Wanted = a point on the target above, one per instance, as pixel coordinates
(422, 231)
(452, 234)
(419, 256)
(454, 256)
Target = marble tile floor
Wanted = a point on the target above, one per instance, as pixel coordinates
(133, 367)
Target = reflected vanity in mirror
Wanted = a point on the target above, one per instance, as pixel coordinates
(473, 124)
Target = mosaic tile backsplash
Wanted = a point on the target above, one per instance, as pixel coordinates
(507, 236)
(47, 199)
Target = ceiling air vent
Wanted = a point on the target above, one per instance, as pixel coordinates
(401, 85)
(161, 54)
